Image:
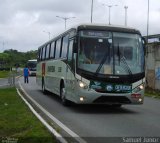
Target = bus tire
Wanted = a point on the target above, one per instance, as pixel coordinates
(65, 102)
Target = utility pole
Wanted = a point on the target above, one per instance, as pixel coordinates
(125, 7)
(109, 6)
(148, 22)
(91, 11)
(65, 20)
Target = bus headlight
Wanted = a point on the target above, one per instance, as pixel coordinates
(138, 88)
(83, 85)
(81, 99)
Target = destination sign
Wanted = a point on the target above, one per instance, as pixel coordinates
(101, 34)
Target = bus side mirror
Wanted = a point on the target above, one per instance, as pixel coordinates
(144, 44)
(144, 41)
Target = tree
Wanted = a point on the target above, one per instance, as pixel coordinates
(20, 58)
(4, 60)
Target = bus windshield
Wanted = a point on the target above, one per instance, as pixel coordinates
(112, 53)
(32, 64)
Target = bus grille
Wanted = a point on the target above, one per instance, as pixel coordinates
(112, 99)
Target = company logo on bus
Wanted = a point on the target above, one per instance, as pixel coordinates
(109, 87)
(96, 85)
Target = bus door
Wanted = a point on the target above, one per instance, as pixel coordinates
(69, 71)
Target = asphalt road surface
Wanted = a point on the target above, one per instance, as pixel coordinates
(99, 123)
(4, 82)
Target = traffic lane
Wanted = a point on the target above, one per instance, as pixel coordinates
(102, 121)
(4, 81)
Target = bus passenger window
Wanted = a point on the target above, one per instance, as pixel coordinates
(64, 46)
(52, 50)
(70, 50)
(58, 46)
(44, 53)
(47, 51)
(38, 55)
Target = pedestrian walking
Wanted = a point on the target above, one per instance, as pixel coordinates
(26, 74)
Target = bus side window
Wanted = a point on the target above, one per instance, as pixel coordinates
(70, 50)
(64, 46)
(38, 55)
(47, 51)
(58, 46)
(52, 50)
(40, 51)
(44, 53)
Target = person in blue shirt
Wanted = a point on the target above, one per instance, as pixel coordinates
(26, 74)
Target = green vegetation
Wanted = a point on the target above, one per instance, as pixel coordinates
(13, 58)
(152, 93)
(4, 74)
(17, 121)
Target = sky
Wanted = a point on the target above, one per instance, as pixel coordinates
(26, 24)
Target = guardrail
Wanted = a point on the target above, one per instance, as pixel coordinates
(11, 79)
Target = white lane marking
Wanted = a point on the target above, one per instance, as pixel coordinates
(53, 131)
(64, 127)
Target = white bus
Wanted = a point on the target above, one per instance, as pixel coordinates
(31, 64)
(94, 64)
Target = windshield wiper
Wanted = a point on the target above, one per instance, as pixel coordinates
(101, 63)
(103, 59)
(126, 66)
(119, 55)
(123, 59)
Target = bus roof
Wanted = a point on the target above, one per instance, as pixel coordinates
(106, 27)
(93, 26)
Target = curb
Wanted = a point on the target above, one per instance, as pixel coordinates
(53, 131)
(76, 137)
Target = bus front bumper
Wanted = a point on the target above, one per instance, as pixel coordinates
(93, 97)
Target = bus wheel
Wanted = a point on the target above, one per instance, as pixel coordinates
(65, 102)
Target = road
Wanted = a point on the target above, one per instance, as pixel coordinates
(97, 123)
(4, 82)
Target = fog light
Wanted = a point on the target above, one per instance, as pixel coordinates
(140, 99)
(81, 99)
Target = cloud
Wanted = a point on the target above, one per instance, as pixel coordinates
(22, 22)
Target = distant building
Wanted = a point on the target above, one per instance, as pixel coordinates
(153, 61)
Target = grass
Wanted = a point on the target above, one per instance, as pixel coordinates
(152, 93)
(4, 74)
(18, 122)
